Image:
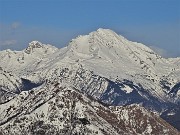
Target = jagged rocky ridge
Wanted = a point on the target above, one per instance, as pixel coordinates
(103, 65)
(55, 109)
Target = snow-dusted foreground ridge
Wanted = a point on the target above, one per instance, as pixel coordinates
(53, 109)
(101, 66)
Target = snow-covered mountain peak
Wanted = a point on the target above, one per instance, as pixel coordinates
(108, 45)
(26, 59)
(39, 48)
(100, 36)
(33, 45)
(100, 40)
(101, 30)
(109, 33)
(102, 65)
(104, 50)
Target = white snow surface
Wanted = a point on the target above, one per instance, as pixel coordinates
(127, 89)
(105, 53)
(87, 62)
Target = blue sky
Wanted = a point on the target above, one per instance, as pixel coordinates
(155, 23)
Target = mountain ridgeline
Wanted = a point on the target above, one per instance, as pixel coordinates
(100, 83)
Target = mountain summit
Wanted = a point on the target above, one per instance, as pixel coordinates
(102, 67)
(33, 45)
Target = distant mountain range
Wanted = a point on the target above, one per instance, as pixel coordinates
(100, 83)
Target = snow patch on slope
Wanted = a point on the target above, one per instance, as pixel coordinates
(127, 89)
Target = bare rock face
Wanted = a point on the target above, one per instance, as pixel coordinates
(141, 121)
